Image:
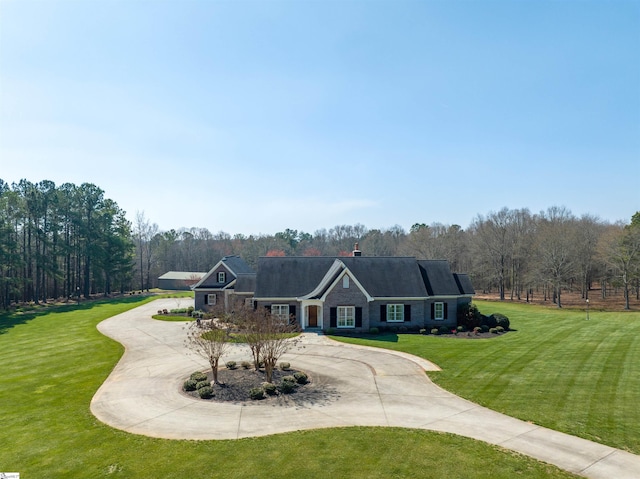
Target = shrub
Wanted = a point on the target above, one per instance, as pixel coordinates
(205, 392)
(198, 376)
(230, 364)
(469, 316)
(287, 387)
(461, 329)
(500, 329)
(190, 310)
(501, 320)
(423, 331)
(443, 330)
(289, 379)
(374, 331)
(245, 364)
(285, 366)
(493, 330)
(403, 329)
(269, 388)
(488, 321)
(256, 393)
(190, 385)
(300, 377)
(485, 328)
(330, 331)
(202, 384)
(435, 331)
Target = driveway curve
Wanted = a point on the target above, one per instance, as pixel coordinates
(365, 387)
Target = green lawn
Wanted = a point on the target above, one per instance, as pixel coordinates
(557, 370)
(54, 361)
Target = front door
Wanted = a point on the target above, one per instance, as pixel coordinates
(312, 316)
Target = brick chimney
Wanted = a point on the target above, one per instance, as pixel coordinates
(356, 251)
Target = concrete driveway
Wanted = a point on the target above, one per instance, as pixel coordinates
(364, 387)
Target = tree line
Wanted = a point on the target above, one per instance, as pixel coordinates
(61, 242)
(71, 241)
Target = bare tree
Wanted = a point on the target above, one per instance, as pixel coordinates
(210, 340)
(268, 336)
(621, 250)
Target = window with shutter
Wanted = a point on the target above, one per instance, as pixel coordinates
(383, 312)
(395, 313)
(438, 311)
(358, 317)
(346, 317)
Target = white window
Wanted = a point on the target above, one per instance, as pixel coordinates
(280, 311)
(346, 317)
(211, 299)
(222, 277)
(345, 281)
(438, 311)
(395, 313)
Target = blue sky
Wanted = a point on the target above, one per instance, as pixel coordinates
(255, 116)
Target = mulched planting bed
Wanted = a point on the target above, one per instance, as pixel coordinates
(236, 384)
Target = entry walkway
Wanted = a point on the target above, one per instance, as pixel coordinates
(362, 387)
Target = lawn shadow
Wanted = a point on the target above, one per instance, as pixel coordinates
(382, 337)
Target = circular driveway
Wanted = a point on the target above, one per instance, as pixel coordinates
(361, 387)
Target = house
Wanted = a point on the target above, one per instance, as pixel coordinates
(360, 292)
(179, 280)
(231, 281)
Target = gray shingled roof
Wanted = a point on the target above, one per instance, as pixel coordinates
(290, 276)
(438, 278)
(464, 283)
(237, 265)
(245, 283)
(387, 276)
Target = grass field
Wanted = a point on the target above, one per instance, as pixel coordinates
(53, 362)
(557, 370)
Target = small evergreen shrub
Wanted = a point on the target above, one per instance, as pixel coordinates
(198, 376)
(488, 321)
(256, 393)
(443, 330)
(202, 384)
(269, 388)
(289, 379)
(423, 331)
(190, 385)
(245, 364)
(493, 330)
(461, 329)
(205, 392)
(285, 366)
(374, 331)
(287, 387)
(300, 377)
(500, 329)
(501, 320)
(485, 328)
(190, 310)
(230, 364)
(331, 331)
(435, 331)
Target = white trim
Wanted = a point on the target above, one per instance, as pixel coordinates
(352, 309)
(355, 281)
(304, 320)
(333, 270)
(435, 304)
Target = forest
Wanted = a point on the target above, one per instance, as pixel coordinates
(66, 242)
